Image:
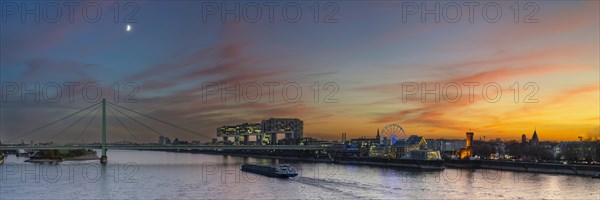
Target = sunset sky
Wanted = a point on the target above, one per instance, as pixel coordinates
(368, 53)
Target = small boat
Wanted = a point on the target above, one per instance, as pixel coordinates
(22, 153)
(280, 171)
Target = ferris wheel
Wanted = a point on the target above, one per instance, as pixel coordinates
(394, 131)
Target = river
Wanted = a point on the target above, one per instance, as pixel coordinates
(167, 175)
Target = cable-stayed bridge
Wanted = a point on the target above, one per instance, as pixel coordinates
(103, 105)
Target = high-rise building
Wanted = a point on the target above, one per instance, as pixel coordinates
(265, 131)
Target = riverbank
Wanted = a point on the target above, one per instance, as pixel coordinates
(424, 165)
(307, 159)
(44, 160)
(83, 157)
(546, 168)
(533, 167)
(382, 162)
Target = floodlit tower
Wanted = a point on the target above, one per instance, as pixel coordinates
(469, 139)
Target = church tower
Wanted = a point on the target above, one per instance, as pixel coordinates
(534, 139)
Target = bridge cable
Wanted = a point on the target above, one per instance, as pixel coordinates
(52, 123)
(126, 128)
(161, 121)
(72, 124)
(88, 125)
(144, 125)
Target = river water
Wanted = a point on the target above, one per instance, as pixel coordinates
(166, 175)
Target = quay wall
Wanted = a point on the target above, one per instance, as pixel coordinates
(534, 167)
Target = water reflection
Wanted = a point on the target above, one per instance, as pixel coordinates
(165, 175)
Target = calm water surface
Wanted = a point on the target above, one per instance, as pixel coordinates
(164, 175)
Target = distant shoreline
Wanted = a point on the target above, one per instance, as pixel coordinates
(530, 167)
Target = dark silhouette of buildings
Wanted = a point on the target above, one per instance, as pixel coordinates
(534, 139)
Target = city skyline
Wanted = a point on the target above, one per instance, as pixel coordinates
(360, 99)
(178, 62)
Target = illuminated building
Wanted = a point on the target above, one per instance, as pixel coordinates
(445, 146)
(265, 132)
(293, 129)
(413, 143)
(380, 151)
(425, 154)
(366, 142)
(465, 153)
(241, 132)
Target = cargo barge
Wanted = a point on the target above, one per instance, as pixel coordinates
(279, 171)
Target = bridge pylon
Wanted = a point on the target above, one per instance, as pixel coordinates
(103, 158)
